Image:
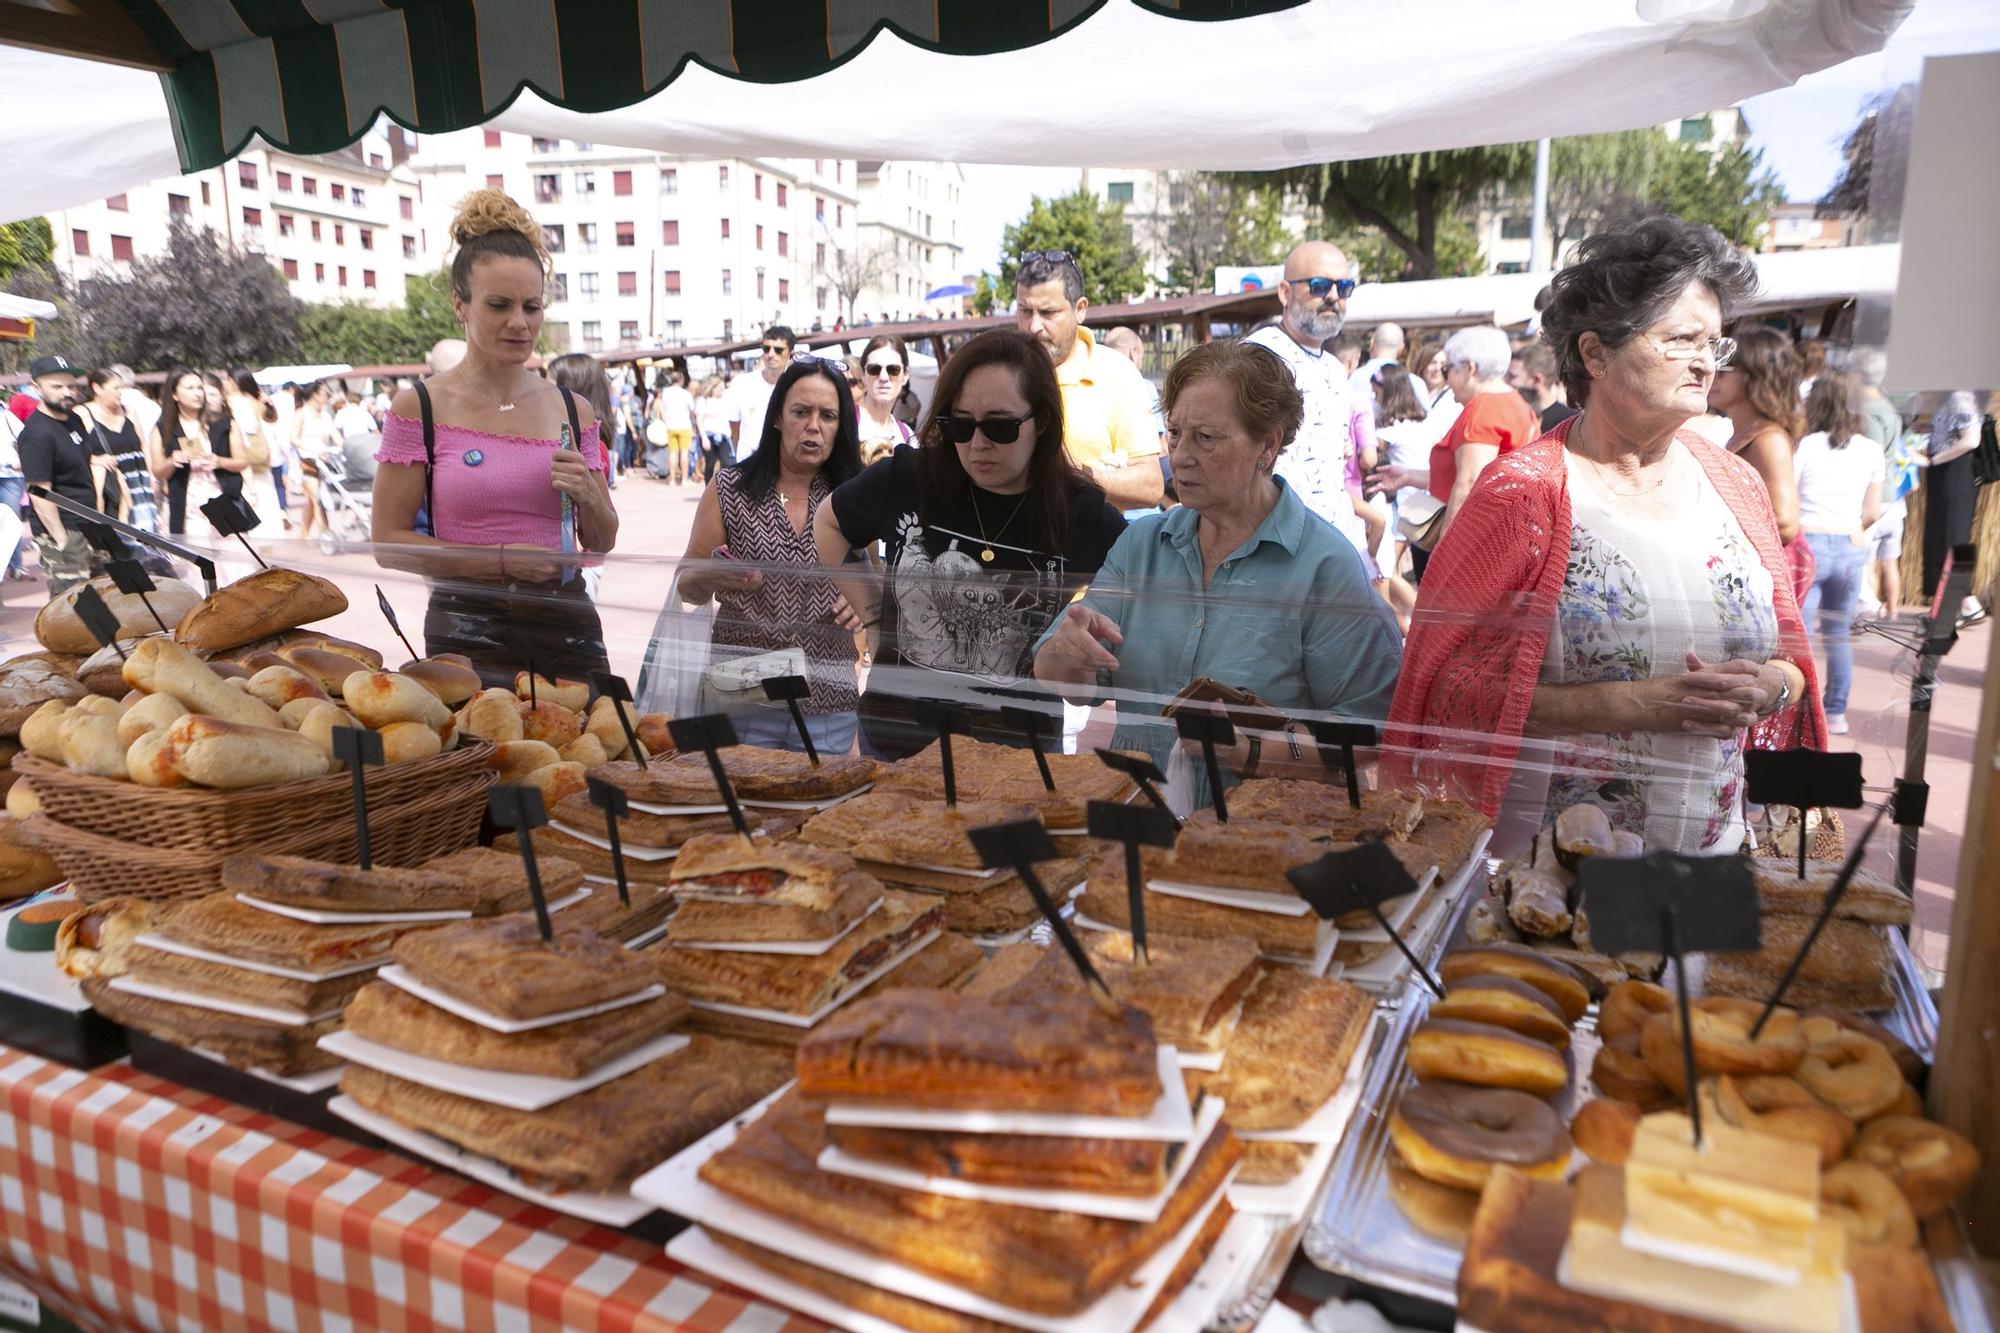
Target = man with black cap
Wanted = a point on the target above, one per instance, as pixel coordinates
(55, 458)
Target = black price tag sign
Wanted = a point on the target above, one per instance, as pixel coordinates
(610, 798)
(98, 619)
(1141, 769)
(1018, 846)
(1834, 893)
(710, 733)
(1346, 738)
(130, 577)
(232, 517)
(357, 747)
(1667, 903)
(947, 721)
(389, 614)
(1212, 730)
(1036, 724)
(521, 809)
(789, 691)
(619, 693)
(1136, 826)
(1804, 780)
(1370, 875)
(102, 537)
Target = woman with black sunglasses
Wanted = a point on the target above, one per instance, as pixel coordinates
(885, 369)
(987, 529)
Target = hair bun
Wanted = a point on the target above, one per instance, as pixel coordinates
(485, 211)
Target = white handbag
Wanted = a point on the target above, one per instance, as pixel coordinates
(739, 682)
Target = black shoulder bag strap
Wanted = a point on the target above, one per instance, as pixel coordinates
(575, 430)
(428, 526)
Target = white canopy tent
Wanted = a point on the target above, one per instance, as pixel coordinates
(1323, 81)
(23, 307)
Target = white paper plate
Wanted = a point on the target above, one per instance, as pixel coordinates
(1329, 1122)
(1205, 1061)
(1321, 964)
(653, 808)
(268, 1013)
(156, 941)
(632, 851)
(1286, 903)
(1390, 967)
(645, 938)
(612, 1210)
(398, 976)
(696, 1249)
(1129, 1208)
(1170, 1119)
(1399, 916)
(677, 1185)
(319, 918)
(802, 948)
(32, 974)
(988, 873)
(522, 1092)
(1290, 1198)
(310, 1084)
(813, 1019)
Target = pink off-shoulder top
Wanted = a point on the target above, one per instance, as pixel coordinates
(488, 489)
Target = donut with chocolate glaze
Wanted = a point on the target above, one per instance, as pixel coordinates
(1450, 1050)
(1456, 1135)
(1507, 1003)
(1567, 986)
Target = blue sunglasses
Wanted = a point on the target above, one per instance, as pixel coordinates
(1319, 287)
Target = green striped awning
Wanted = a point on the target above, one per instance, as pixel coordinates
(312, 75)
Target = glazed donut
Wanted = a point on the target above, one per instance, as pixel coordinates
(1568, 987)
(1604, 1127)
(1452, 1051)
(1626, 1007)
(1931, 1164)
(1907, 1060)
(1853, 1074)
(1505, 1003)
(1820, 1126)
(1722, 1042)
(1865, 1200)
(1621, 1072)
(1456, 1135)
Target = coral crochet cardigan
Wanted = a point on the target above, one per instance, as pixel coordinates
(1489, 600)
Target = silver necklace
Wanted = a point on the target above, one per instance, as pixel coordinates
(491, 398)
(1604, 479)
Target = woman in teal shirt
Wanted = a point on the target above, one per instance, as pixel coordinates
(1242, 583)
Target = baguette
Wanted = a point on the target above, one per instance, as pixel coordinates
(148, 763)
(257, 606)
(280, 685)
(161, 666)
(215, 752)
(382, 697)
(62, 630)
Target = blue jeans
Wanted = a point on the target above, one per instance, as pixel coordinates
(1835, 588)
(13, 491)
(832, 733)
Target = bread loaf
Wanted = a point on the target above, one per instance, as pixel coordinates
(27, 684)
(155, 712)
(161, 666)
(103, 672)
(493, 715)
(24, 867)
(215, 752)
(604, 724)
(319, 722)
(61, 629)
(38, 733)
(148, 760)
(571, 694)
(404, 741)
(382, 697)
(556, 781)
(298, 710)
(551, 722)
(279, 685)
(89, 744)
(259, 605)
(96, 705)
(586, 750)
(452, 682)
(325, 667)
(514, 760)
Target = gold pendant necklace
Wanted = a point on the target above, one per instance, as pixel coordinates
(986, 543)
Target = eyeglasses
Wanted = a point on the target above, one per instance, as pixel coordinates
(1000, 430)
(1688, 346)
(1319, 287)
(776, 349)
(886, 369)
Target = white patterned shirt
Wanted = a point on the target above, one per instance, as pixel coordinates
(1315, 463)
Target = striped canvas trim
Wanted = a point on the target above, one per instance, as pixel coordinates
(310, 76)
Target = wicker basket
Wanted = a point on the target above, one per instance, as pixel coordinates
(100, 867)
(214, 823)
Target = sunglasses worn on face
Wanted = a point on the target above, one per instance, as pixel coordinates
(1000, 430)
(1319, 287)
(776, 349)
(884, 368)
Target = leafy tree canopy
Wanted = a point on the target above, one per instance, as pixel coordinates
(25, 244)
(1090, 229)
(360, 335)
(200, 302)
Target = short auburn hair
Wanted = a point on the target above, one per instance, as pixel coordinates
(1267, 397)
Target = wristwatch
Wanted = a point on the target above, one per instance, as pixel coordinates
(1784, 696)
(1249, 769)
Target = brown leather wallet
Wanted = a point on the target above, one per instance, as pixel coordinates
(1241, 707)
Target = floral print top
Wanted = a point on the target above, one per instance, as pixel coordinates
(1639, 596)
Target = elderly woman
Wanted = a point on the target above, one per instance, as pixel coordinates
(1615, 594)
(1241, 583)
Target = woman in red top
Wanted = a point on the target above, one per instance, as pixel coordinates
(1612, 611)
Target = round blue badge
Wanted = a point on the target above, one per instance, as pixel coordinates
(474, 457)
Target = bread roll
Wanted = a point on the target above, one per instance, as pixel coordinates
(571, 694)
(25, 685)
(256, 606)
(280, 685)
(60, 628)
(450, 681)
(215, 752)
(514, 760)
(654, 735)
(360, 652)
(23, 800)
(318, 723)
(324, 667)
(160, 666)
(556, 781)
(297, 711)
(551, 722)
(404, 741)
(96, 705)
(586, 750)
(493, 715)
(38, 733)
(382, 697)
(155, 712)
(149, 761)
(89, 744)
(603, 724)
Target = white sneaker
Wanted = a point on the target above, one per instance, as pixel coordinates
(1836, 724)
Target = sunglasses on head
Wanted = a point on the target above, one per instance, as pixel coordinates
(1342, 287)
(1000, 430)
(886, 368)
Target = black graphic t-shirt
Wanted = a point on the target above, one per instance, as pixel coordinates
(946, 610)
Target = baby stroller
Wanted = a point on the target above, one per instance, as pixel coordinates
(346, 491)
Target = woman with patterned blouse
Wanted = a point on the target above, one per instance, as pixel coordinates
(1612, 610)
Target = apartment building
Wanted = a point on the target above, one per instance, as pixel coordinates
(650, 249)
(1159, 205)
(908, 239)
(1797, 225)
(340, 226)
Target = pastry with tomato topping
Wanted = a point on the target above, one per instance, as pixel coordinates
(732, 890)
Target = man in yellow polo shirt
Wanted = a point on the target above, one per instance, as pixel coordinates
(1107, 406)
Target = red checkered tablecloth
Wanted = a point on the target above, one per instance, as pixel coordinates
(127, 1201)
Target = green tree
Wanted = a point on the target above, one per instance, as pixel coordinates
(24, 244)
(201, 302)
(361, 335)
(985, 295)
(1378, 259)
(1214, 220)
(1731, 190)
(69, 334)
(1088, 228)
